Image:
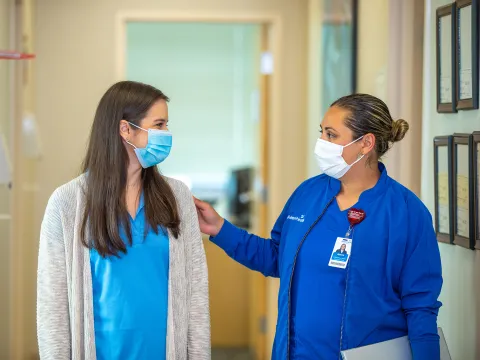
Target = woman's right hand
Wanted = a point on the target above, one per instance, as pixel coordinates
(210, 222)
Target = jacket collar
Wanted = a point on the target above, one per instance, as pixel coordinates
(370, 194)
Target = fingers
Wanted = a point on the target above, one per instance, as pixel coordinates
(198, 203)
(201, 205)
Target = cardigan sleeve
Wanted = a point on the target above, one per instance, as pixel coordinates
(198, 332)
(199, 346)
(53, 324)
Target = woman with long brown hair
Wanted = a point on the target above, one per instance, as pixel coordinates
(122, 271)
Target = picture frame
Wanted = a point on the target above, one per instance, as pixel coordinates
(446, 55)
(463, 203)
(443, 169)
(466, 52)
(476, 186)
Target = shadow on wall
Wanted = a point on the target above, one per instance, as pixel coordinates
(231, 354)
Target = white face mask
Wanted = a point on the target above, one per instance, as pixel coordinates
(330, 159)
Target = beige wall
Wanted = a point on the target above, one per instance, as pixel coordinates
(25, 238)
(404, 87)
(460, 314)
(76, 64)
(373, 31)
(390, 57)
(4, 192)
(390, 67)
(314, 66)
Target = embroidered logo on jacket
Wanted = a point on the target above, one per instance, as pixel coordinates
(300, 219)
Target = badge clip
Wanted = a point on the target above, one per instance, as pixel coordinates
(349, 231)
(355, 217)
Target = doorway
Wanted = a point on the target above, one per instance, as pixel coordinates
(219, 117)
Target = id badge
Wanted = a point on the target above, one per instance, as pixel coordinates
(341, 253)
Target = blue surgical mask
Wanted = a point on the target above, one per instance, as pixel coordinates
(158, 147)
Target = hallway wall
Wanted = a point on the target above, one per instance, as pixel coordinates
(373, 30)
(5, 132)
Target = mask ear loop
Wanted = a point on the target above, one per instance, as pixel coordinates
(360, 155)
(137, 126)
(354, 141)
(128, 142)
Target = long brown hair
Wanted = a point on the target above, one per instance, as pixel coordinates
(106, 164)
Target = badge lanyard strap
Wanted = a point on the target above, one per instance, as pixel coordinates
(349, 231)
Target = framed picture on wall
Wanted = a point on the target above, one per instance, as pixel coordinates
(476, 187)
(466, 54)
(446, 79)
(443, 165)
(463, 224)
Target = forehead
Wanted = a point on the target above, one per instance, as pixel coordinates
(159, 110)
(334, 117)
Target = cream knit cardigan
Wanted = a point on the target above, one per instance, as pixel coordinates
(65, 323)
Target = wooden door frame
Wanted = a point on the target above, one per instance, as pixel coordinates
(271, 35)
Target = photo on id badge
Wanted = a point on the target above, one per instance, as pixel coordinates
(341, 253)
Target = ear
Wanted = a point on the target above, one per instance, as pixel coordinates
(368, 143)
(124, 129)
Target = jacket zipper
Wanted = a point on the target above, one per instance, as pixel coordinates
(293, 270)
(345, 298)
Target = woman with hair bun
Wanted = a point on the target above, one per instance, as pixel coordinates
(388, 285)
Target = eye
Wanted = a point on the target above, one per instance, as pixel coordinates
(331, 136)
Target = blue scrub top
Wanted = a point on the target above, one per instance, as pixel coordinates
(130, 296)
(318, 336)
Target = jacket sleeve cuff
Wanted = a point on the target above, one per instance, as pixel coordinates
(228, 237)
(426, 350)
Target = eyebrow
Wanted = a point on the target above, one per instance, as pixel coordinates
(160, 120)
(329, 128)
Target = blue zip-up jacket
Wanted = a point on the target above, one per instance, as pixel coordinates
(391, 288)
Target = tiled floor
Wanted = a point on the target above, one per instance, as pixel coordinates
(231, 354)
